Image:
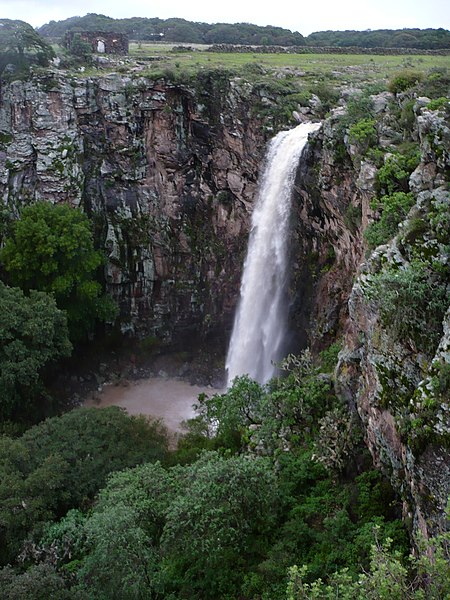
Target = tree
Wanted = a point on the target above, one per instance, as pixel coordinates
(39, 582)
(218, 525)
(62, 463)
(94, 443)
(51, 249)
(33, 334)
(27, 493)
(21, 45)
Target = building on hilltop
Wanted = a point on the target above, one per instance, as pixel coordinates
(102, 42)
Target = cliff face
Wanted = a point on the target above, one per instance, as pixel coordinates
(167, 174)
(395, 364)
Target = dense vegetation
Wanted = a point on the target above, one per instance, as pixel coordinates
(180, 30)
(383, 38)
(176, 30)
(224, 516)
(21, 46)
(260, 483)
(51, 296)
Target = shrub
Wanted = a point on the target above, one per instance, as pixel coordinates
(412, 303)
(394, 209)
(393, 175)
(438, 103)
(404, 81)
(363, 133)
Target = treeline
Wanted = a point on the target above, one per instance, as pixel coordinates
(426, 39)
(177, 30)
(180, 30)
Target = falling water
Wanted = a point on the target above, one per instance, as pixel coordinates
(260, 321)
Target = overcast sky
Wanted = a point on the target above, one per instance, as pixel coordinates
(305, 17)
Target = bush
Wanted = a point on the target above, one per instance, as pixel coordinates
(438, 103)
(412, 302)
(404, 81)
(394, 209)
(393, 175)
(363, 133)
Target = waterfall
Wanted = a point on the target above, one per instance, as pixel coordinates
(261, 317)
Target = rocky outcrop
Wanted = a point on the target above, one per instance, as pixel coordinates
(399, 383)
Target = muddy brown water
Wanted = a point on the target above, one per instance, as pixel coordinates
(168, 399)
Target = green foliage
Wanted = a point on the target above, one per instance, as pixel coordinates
(33, 334)
(394, 209)
(177, 30)
(438, 103)
(219, 524)
(27, 493)
(64, 461)
(412, 302)
(186, 532)
(436, 83)
(39, 582)
(51, 250)
(364, 134)
(328, 95)
(404, 80)
(283, 412)
(94, 443)
(326, 526)
(393, 176)
(382, 38)
(329, 357)
(21, 46)
(388, 577)
(79, 53)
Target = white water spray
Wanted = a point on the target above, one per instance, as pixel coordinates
(260, 322)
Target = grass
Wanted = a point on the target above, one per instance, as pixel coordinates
(340, 69)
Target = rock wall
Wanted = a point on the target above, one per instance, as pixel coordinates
(399, 384)
(167, 174)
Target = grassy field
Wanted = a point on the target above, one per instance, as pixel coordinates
(336, 65)
(303, 70)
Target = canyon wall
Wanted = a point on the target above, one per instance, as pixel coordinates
(166, 173)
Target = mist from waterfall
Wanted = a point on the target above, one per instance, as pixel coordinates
(260, 323)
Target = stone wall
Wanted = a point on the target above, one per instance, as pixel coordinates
(102, 42)
(322, 50)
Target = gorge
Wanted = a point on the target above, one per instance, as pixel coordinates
(167, 171)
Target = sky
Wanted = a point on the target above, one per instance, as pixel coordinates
(305, 17)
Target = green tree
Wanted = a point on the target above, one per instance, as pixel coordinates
(51, 249)
(62, 463)
(33, 334)
(27, 493)
(219, 524)
(94, 443)
(79, 47)
(21, 45)
(39, 582)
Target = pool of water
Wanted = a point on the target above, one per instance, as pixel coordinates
(168, 399)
